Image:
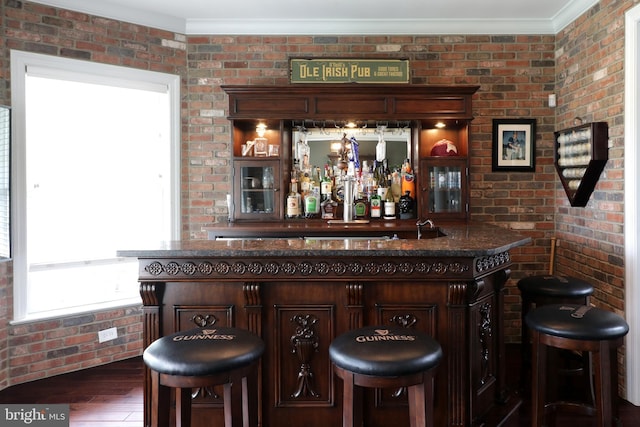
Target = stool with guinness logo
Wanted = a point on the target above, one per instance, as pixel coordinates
(383, 356)
(204, 357)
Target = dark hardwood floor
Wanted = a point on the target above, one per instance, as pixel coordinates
(104, 396)
(111, 396)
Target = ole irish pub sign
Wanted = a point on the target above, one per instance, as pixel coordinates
(349, 70)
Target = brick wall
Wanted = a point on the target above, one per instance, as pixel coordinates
(46, 348)
(6, 312)
(55, 346)
(590, 85)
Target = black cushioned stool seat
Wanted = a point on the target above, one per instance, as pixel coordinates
(540, 290)
(383, 356)
(199, 358)
(550, 289)
(553, 286)
(577, 328)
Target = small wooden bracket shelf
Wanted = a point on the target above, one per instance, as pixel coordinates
(581, 153)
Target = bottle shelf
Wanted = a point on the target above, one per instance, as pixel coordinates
(267, 123)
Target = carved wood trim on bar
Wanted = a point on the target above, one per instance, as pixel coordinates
(457, 361)
(333, 268)
(204, 320)
(186, 317)
(355, 305)
(253, 306)
(485, 335)
(500, 279)
(457, 293)
(491, 262)
(151, 294)
(304, 343)
(303, 374)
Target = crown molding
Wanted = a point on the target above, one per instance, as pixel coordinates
(368, 26)
(121, 13)
(570, 13)
(242, 26)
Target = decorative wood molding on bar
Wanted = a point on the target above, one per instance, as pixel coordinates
(173, 269)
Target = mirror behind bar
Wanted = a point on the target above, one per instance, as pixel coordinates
(324, 144)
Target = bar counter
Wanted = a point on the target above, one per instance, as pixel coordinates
(400, 228)
(299, 294)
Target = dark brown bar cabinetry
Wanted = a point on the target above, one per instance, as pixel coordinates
(420, 108)
(298, 295)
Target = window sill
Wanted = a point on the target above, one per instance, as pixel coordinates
(78, 311)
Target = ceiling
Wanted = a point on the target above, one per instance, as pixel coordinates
(333, 17)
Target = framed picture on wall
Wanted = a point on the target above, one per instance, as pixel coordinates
(514, 145)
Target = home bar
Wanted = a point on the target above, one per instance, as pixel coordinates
(547, 68)
(299, 294)
(299, 281)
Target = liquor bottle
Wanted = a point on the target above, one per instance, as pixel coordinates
(305, 184)
(389, 203)
(375, 206)
(315, 177)
(328, 206)
(361, 206)
(294, 203)
(408, 179)
(406, 206)
(305, 191)
(396, 185)
(312, 203)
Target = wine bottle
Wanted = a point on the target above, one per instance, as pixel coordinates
(389, 203)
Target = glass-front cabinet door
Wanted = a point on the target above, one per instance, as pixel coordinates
(444, 187)
(257, 194)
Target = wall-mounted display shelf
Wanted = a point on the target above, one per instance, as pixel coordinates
(581, 153)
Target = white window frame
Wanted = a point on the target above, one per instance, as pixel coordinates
(85, 71)
(5, 182)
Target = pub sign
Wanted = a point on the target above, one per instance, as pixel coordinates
(349, 70)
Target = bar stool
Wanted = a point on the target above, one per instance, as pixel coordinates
(540, 290)
(577, 328)
(204, 357)
(385, 356)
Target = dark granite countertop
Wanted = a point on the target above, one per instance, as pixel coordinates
(460, 240)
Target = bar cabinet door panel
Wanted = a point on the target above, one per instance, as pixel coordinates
(257, 194)
(444, 188)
